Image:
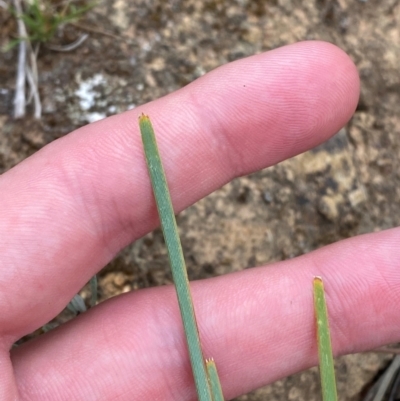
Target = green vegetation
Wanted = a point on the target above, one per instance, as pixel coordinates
(43, 18)
(326, 366)
(204, 372)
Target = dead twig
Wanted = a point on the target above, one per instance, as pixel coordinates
(387, 378)
(32, 68)
(384, 383)
(34, 92)
(98, 31)
(71, 46)
(387, 350)
(19, 100)
(27, 71)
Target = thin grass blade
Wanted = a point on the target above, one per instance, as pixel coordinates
(77, 305)
(215, 384)
(178, 267)
(326, 365)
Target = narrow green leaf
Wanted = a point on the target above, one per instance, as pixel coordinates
(214, 380)
(326, 365)
(77, 305)
(170, 231)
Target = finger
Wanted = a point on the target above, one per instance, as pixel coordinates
(74, 204)
(257, 324)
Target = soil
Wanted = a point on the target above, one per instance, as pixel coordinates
(139, 51)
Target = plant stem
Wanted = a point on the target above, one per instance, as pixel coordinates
(19, 99)
(214, 381)
(169, 228)
(326, 365)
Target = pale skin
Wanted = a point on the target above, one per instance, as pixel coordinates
(67, 210)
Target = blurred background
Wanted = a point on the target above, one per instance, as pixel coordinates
(101, 59)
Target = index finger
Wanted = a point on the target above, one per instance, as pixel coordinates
(78, 201)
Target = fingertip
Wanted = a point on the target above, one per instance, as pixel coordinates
(343, 72)
(292, 98)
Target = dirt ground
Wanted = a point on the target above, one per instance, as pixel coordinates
(348, 186)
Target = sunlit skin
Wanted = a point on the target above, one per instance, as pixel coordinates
(67, 210)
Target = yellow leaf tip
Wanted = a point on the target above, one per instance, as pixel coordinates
(143, 117)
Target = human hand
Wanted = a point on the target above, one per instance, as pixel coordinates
(67, 210)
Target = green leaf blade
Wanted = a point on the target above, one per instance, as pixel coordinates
(327, 369)
(178, 267)
(215, 384)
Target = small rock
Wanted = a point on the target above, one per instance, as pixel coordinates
(357, 197)
(126, 288)
(119, 279)
(267, 197)
(327, 206)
